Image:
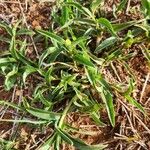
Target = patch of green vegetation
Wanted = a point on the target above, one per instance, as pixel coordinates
(70, 67)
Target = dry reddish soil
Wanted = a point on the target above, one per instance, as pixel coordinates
(130, 131)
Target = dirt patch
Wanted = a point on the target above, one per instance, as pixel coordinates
(128, 133)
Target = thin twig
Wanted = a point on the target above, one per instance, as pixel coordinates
(128, 7)
(12, 99)
(144, 87)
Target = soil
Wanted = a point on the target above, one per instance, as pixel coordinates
(128, 133)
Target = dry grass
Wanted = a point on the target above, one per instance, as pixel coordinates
(132, 128)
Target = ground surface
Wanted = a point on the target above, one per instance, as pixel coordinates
(132, 128)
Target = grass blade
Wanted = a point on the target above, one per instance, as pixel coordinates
(105, 44)
(6, 61)
(24, 121)
(83, 59)
(43, 114)
(80, 144)
(106, 23)
(52, 36)
(81, 8)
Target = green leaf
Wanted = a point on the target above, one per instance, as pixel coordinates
(14, 29)
(146, 53)
(48, 75)
(23, 47)
(122, 26)
(11, 105)
(107, 99)
(85, 21)
(103, 88)
(80, 145)
(114, 55)
(47, 145)
(6, 61)
(135, 103)
(12, 47)
(24, 60)
(6, 27)
(130, 99)
(95, 4)
(28, 70)
(11, 78)
(146, 6)
(83, 58)
(57, 142)
(81, 8)
(52, 36)
(122, 5)
(24, 31)
(106, 23)
(45, 101)
(6, 145)
(43, 114)
(130, 87)
(65, 15)
(64, 136)
(24, 121)
(54, 55)
(45, 54)
(4, 39)
(96, 119)
(91, 74)
(105, 44)
(101, 80)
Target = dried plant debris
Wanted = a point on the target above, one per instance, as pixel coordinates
(74, 75)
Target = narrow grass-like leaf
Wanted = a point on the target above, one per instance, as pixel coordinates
(4, 39)
(57, 142)
(135, 103)
(91, 74)
(146, 6)
(130, 99)
(23, 47)
(106, 23)
(24, 60)
(48, 144)
(28, 70)
(6, 27)
(80, 144)
(81, 8)
(48, 75)
(52, 36)
(107, 99)
(52, 57)
(11, 105)
(105, 44)
(45, 54)
(85, 21)
(122, 5)
(24, 32)
(114, 55)
(122, 26)
(65, 15)
(83, 59)
(6, 61)
(146, 53)
(10, 79)
(43, 114)
(96, 119)
(95, 4)
(45, 101)
(64, 136)
(24, 121)
(12, 47)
